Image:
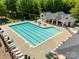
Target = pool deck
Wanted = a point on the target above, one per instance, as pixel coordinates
(39, 51)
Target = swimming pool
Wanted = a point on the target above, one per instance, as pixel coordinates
(34, 34)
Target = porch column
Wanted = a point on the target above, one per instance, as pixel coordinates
(72, 23)
(52, 21)
(56, 22)
(62, 24)
(67, 23)
(45, 20)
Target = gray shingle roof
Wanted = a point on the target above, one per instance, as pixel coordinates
(57, 16)
(73, 41)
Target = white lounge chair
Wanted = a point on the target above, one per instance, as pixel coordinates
(18, 55)
(6, 37)
(17, 52)
(8, 40)
(12, 47)
(10, 44)
(14, 50)
(3, 35)
(22, 57)
(1, 31)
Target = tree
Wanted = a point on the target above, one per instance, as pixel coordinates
(68, 4)
(43, 5)
(52, 5)
(36, 7)
(2, 8)
(11, 5)
(58, 5)
(27, 7)
(23, 6)
(75, 11)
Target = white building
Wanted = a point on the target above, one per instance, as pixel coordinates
(58, 18)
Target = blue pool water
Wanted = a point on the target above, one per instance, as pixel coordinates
(34, 34)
